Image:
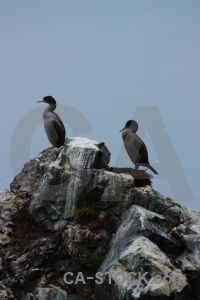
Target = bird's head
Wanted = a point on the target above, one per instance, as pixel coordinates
(48, 100)
(131, 124)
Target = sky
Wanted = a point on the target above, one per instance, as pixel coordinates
(105, 62)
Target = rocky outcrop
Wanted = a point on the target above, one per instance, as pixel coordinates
(73, 228)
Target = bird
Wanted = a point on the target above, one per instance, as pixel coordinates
(135, 147)
(53, 125)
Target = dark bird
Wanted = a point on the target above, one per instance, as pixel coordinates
(53, 125)
(135, 147)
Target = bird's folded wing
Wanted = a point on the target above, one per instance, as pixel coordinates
(142, 150)
(59, 120)
(60, 130)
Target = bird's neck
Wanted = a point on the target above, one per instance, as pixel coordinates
(50, 108)
(127, 132)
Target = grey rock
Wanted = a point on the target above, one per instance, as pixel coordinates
(54, 293)
(7, 207)
(132, 255)
(62, 186)
(72, 297)
(189, 260)
(26, 182)
(60, 224)
(84, 153)
(154, 201)
(5, 292)
(44, 232)
(78, 242)
(28, 296)
(20, 264)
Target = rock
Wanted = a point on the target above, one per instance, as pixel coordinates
(54, 293)
(67, 211)
(72, 297)
(154, 201)
(5, 292)
(67, 177)
(133, 256)
(84, 153)
(20, 264)
(8, 206)
(26, 182)
(78, 242)
(28, 296)
(189, 259)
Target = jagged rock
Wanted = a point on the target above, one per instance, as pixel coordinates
(84, 153)
(69, 212)
(189, 259)
(28, 296)
(72, 297)
(26, 182)
(67, 177)
(21, 263)
(53, 293)
(5, 292)
(8, 205)
(78, 242)
(67, 188)
(133, 256)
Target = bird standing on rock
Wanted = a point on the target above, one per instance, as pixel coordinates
(53, 125)
(135, 147)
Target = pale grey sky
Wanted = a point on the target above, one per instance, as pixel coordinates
(102, 61)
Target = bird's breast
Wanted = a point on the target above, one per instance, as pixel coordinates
(132, 146)
(50, 131)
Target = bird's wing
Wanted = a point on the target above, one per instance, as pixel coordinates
(59, 120)
(142, 150)
(60, 130)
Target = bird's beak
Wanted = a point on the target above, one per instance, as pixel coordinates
(122, 129)
(40, 101)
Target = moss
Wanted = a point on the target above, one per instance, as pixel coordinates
(96, 262)
(76, 269)
(85, 215)
(96, 224)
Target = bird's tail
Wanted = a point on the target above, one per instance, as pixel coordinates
(152, 169)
